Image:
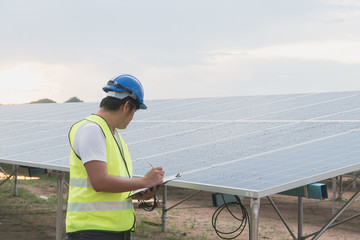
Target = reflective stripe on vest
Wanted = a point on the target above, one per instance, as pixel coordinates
(91, 210)
(99, 206)
(83, 182)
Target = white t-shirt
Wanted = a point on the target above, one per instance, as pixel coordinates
(90, 143)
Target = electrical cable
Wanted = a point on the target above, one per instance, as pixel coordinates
(242, 221)
(148, 207)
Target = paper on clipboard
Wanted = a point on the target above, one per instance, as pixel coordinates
(165, 180)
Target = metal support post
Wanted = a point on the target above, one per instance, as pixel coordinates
(2, 170)
(323, 229)
(300, 217)
(163, 216)
(16, 169)
(341, 190)
(59, 213)
(281, 217)
(164, 209)
(354, 180)
(188, 197)
(334, 196)
(334, 224)
(254, 218)
(8, 178)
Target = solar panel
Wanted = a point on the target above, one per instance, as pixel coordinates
(250, 146)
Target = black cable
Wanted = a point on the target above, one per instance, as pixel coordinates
(242, 221)
(148, 207)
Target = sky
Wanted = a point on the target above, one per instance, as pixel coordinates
(58, 49)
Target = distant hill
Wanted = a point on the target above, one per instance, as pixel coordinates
(74, 99)
(47, 100)
(43, 100)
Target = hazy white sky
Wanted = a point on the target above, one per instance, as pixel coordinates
(177, 48)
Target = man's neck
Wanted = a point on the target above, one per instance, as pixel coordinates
(108, 116)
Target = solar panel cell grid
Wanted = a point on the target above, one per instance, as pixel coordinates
(251, 146)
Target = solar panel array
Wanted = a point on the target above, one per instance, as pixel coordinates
(251, 146)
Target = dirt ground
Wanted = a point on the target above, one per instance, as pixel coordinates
(189, 220)
(192, 219)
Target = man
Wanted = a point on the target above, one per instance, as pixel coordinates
(99, 206)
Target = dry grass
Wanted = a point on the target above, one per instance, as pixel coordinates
(30, 217)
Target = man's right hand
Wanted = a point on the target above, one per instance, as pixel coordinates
(154, 176)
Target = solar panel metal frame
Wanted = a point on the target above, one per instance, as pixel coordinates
(188, 119)
(332, 116)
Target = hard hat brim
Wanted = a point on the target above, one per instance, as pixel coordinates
(142, 106)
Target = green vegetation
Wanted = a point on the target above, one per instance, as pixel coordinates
(73, 99)
(43, 100)
(47, 100)
(31, 214)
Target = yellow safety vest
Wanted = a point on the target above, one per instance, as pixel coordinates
(91, 210)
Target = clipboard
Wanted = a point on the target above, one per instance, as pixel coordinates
(165, 180)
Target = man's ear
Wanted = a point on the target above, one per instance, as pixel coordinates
(123, 107)
(126, 106)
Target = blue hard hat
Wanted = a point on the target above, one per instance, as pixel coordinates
(127, 85)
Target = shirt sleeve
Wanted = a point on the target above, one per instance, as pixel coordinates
(90, 143)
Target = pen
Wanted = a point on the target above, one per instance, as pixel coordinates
(151, 165)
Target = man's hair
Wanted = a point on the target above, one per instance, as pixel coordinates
(113, 104)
